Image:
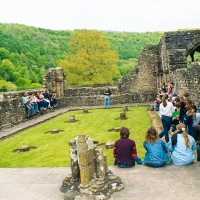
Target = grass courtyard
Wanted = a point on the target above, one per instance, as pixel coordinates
(52, 150)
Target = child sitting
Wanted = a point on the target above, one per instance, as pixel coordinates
(124, 151)
(156, 149)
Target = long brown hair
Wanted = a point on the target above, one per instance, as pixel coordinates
(181, 127)
(188, 105)
(151, 135)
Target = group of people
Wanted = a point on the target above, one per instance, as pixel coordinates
(38, 102)
(179, 150)
(174, 110)
(178, 115)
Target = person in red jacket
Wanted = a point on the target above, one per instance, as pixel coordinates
(125, 152)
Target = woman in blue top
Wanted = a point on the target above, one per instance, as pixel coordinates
(182, 147)
(156, 154)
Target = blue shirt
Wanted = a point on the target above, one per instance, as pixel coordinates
(156, 153)
(179, 154)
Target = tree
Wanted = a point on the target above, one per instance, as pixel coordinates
(7, 86)
(4, 54)
(7, 70)
(91, 60)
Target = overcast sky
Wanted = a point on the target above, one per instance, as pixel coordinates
(110, 15)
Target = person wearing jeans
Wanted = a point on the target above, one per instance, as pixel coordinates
(107, 94)
(166, 110)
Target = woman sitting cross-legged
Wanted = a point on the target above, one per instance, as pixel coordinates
(124, 151)
(182, 146)
(156, 149)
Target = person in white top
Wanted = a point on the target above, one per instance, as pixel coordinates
(166, 110)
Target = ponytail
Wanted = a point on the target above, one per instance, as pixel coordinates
(187, 142)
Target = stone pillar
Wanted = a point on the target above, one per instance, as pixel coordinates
(74, 159)
(101, 161)
(55, 80)
(86, 158)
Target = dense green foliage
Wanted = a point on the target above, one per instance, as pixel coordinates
(29, 51)
(53, 149)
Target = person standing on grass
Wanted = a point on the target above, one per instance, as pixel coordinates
(166, 110)
(125, 152)
(156, 149)
(107, 94)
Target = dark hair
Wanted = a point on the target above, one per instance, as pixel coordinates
(124, 132)
(194, 107)
(178, 105)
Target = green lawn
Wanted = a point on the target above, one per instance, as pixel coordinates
(53, 149)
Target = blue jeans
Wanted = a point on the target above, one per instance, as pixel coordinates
(107, 102)
(30, 109)
(166, 122)
(155, 165)
(188, 121)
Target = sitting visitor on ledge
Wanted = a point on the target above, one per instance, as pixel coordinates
(156, 149)
(27, 105)
(124, 151)
(182, 146)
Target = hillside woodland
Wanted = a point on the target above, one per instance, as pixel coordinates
(26, 52)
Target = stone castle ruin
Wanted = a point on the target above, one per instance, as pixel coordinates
(90, 178)
(166, 61)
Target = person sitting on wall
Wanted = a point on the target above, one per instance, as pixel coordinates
(175, 117)
(125, 152)
(27, 105)
(33, 102)
(42, 103)
(156, 149)
(196, 122)
(186, 113)
(107, 94)
(164, 88)
(182, 146)
(53, 100)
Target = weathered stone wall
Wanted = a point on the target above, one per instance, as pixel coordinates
(55, 81)
(143, 78)
(175, 47)
(12, 110)
(166, 61)
(188, 79)
(90, 175)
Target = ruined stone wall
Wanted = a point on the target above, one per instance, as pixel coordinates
(175, 47)
(143, 78)
(188, 79)
(55, 81)
(12, 111)
(157, 64)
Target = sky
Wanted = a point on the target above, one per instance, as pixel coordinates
(108, 15)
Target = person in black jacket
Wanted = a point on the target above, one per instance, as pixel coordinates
(107, 94)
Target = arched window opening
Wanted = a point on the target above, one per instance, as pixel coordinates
(194, 55)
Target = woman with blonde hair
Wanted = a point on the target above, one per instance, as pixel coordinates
(156, 149)
(182, 146)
